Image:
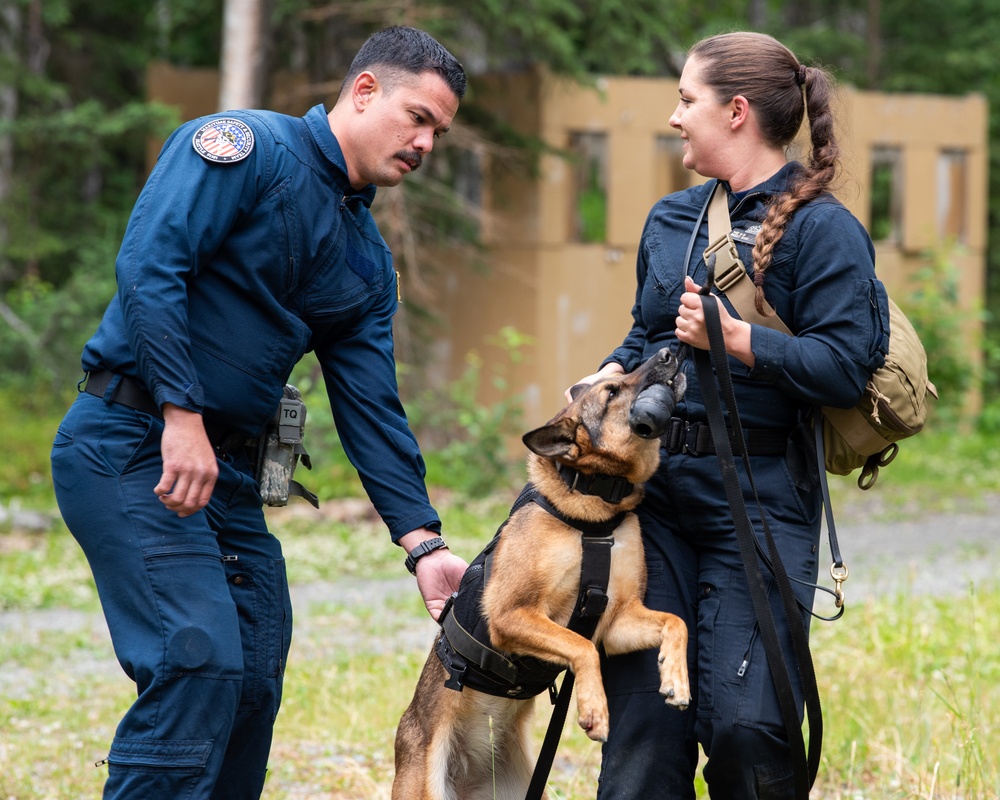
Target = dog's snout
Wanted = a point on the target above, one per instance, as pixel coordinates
(650, 413)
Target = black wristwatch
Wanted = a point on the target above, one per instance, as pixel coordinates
(421, 550)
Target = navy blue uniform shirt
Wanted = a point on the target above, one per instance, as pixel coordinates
(821, 283)
(230, 272)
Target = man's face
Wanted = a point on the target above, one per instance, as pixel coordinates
(399, 126)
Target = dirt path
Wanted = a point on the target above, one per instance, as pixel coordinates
(935, 554)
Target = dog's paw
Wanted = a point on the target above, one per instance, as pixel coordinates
(674, 684)
(595, 725)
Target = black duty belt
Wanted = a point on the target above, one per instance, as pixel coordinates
(695, 438)
(129, 392)
(133, 394)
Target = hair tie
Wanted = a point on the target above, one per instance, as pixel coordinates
(758, 279)
(800, 76)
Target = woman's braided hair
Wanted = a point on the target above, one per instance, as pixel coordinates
(779, 88)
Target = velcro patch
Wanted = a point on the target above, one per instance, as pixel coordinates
(223, 141)
(748, 236)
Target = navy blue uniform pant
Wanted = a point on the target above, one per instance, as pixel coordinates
(695, 571)
(198, 608)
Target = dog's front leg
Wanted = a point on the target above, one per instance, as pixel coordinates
(636, 627)
(526, 632)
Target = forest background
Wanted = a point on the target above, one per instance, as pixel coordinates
(74, 123)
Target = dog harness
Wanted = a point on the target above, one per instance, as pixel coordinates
(464, 645)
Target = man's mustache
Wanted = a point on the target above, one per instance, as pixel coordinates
(412, 158)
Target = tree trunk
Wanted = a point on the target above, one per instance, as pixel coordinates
(873, 65)
(243, 51)
(10, 35)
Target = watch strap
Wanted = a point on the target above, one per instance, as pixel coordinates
(422, 549)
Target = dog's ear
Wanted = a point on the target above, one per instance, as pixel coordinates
(557, 438)
(578, 388)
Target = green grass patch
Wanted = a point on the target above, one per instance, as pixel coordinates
(910, 688)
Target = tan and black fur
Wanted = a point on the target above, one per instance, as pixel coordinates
(468, 745)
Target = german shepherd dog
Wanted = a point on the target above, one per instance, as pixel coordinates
(470, 745)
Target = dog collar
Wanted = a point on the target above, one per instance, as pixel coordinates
(610, 488)
(589, 529)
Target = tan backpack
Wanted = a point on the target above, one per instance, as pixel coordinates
(894, 405)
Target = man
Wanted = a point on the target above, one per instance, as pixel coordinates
(250, 245)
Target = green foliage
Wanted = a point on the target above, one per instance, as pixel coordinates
(474, 459)
(592, 207)
(27, 427)
(934, 310)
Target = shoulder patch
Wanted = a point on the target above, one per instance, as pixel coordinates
(223, 141)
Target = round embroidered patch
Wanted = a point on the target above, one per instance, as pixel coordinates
(223, 140)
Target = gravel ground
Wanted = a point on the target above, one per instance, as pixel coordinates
(935, 554)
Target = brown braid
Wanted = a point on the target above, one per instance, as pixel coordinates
(769, 75)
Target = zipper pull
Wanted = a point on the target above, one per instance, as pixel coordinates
(743, 668)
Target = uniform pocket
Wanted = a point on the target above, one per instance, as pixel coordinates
(260, 591)
(709, 604)
(124, 434)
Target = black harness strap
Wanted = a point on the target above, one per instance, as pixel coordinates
(595, 573)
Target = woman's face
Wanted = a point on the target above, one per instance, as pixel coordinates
(704, 123)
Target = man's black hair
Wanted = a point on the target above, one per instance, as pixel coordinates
(408, 50)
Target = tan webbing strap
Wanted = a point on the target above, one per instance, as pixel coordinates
(732, 280)
(730, 275)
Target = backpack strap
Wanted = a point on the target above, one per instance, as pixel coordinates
(731, 276)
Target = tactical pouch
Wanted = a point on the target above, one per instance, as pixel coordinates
(279, 451)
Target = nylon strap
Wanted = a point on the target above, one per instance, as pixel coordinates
(805, 766)
(731, 276)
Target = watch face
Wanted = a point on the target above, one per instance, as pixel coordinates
(223, 141)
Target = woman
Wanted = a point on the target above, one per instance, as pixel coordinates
(743, 97)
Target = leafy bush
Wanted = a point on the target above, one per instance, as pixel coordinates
(940, 320)
(474, 458)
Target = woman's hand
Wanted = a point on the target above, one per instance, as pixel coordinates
(691, 329)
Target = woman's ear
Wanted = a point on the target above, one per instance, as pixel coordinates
(739, 110)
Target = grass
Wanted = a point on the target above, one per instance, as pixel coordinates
(910, 684)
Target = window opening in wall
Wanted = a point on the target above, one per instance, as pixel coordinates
(456, 191)
(886, 223)
(590, 193)
(952, 190)
(671, 176)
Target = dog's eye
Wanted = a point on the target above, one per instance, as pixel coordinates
(612, 392)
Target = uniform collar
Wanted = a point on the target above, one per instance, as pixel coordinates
(319, 126)
(777, 183)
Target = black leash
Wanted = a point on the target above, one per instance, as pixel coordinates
(805, 766)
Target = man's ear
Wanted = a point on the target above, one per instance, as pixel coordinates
(363, 89)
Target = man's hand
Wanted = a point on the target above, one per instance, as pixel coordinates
(438, 573)
(189, 465)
